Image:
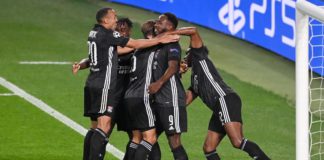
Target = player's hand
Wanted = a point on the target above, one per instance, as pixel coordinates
(183, 67)
(169, 38)
(75, 68)
(154, 87)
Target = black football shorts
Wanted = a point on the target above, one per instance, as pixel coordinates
(140, 113)
(170, 119)
(98, 102)
(228, 109)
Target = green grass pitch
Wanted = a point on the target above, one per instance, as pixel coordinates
(56, 30)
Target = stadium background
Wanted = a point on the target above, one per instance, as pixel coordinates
(56, 31)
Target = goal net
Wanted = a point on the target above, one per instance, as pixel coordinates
(309, 81)
(316, 89)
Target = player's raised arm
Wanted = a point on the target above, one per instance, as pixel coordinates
(195, 40)
(144, 43)
(124, 50)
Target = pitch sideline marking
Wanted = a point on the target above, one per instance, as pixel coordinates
(7, 94)
(44, 62)
(52, 112)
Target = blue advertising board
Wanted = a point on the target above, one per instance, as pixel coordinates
(267, 23)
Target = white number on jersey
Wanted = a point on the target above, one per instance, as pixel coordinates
(93, 53)
(133, 64)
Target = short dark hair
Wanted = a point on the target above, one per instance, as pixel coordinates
(148, 28)
(126, 21)
(172, 18)
(102, 13)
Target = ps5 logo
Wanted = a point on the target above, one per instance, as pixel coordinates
(231, 16)
(170, 1)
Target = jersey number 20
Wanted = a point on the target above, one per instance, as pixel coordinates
(93, 53)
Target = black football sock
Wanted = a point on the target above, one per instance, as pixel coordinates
(98, 144)
(253, 150)
(103, 149)
(143, 150)
(130, 151)
(126, 152)
(179, 153)
(155, 154)
(86, 144)
(212, 155)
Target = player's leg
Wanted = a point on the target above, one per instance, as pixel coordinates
(121, 119)
(155, 153)
(93, 119)
(87, 138)
(102, 106)
(99, 138)
(174, 122)
(231, 114)
(178, 151)
(234, 132)
(145, 146)
(211, 142)
(130, 107)
(141, 118)
(214, 136)
(133, 145)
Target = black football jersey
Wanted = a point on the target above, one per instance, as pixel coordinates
(172, 92)
(141, 73)
(102, 45)
(123, 71)
(206, 82)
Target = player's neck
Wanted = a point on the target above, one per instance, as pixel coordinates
(107, 26)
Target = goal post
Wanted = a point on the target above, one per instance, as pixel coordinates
(304, 10)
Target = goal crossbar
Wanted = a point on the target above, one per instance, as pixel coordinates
(311, 10)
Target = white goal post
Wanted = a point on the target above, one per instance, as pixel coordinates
(304, 10)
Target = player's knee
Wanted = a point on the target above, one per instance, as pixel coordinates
(137, 137)
(236, 143)
(207, 147)
(151, 138)
(104, 123)
(174, 141)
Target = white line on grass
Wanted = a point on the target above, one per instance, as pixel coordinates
(44, 62)
(57, 115)
(7, 94)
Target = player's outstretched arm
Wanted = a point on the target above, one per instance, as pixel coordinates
(83, 64)
(144, 43)
(195, 39)
(190, 96)
(124, 50)
(171, 70)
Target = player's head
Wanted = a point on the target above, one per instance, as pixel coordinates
(166, 22)
(124, 27)
(188, 57)
(148, 29)
(107, 18)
